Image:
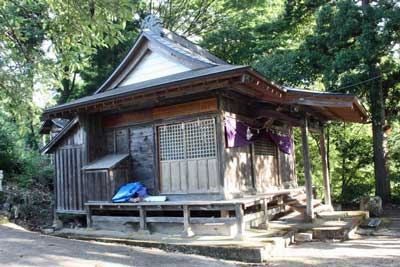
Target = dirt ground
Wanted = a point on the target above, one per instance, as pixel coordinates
(22, 248)
(374, 251)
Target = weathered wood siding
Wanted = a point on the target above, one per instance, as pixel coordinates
(238, 171)
(287, 164)
(70, 185)
(189, 176)
(103, 184)
(266, 169)
(245, 169)
(142, 146)
(95, 138)
(142, 152)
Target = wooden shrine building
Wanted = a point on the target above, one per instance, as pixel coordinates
(211, 136)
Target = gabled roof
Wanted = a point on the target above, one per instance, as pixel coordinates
(193, 66)
(176, 47)
(47, 148)
(48, 124)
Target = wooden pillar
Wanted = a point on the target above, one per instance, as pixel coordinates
(307, 171)
(88, 217)
(142, 220)
(325, 172)
(240, 225)
(264, 208)
(187, 229)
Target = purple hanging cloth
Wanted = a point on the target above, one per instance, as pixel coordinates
(235, 133)
(283, 142)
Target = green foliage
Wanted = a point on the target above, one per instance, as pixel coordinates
(34, 169)
(349, 151)
(66, 49)
(2, 197)
(20, 164)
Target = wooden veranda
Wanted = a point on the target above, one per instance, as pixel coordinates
(237, 212)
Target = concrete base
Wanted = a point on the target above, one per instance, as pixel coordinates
(329, 225)
(303, 237)
(144, 232)
(257, 247)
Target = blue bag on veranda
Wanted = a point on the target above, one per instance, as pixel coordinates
(127, 191)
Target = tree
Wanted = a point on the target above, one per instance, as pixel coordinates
(350, 49)
(191, 18)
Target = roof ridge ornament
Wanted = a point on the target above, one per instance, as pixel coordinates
(153, 23)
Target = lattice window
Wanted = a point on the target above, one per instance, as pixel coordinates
(200, 139)
(264, 148)
(188, 140)
(172, 142)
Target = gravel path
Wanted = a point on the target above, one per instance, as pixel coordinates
(22, 248)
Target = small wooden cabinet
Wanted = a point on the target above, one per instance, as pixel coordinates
(106, 175)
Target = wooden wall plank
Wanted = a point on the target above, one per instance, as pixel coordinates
(183, 169)
(202, 170)
(175, 177)
(65, 176)
(74, 178)
(70, 179)
(79, 178)
(165, 177)
(148, 115)
(193, 176)
(122, 141)
(142, 153)
(58, 175)
(213, 181)
(189, 108)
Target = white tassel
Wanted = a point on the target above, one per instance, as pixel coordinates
(249, 135)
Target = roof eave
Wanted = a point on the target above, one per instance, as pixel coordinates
(64, 107)
(48, 148)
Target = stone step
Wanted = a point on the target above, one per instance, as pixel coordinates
(301, 207)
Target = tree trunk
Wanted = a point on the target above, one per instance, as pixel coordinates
(377, 102)
(67, 87)
(344, 152)
(65, 91)
(382, 182)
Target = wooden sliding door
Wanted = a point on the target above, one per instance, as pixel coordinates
(188, 157)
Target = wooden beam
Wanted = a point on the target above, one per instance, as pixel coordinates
(325, 172)
(307, 171)
(321, 103)
(278, 115)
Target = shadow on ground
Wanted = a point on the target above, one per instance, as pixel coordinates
(23, 248)
(369, 251)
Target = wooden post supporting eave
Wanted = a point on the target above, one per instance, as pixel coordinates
(307, 171)
(325, 172)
